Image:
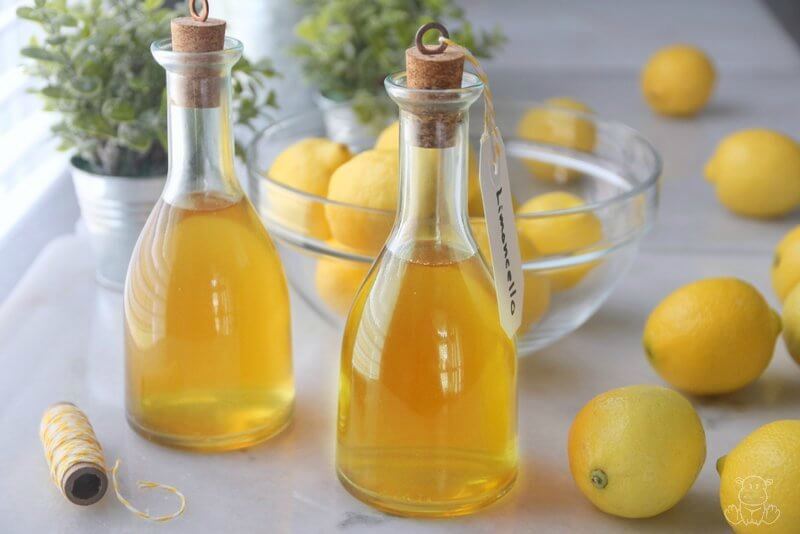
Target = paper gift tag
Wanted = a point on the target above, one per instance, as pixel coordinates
(502, 230)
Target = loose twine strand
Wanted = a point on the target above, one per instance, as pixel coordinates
(489, 124)
(68, 439)
(144, 484)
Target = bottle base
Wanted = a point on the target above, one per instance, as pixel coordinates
(430, 509)
(230, 442)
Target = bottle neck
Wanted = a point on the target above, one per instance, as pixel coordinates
(433, 187)
(200, 138)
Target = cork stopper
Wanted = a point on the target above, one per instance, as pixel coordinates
(434, 68)
(434, 71)
(190, 35)
(199, 87)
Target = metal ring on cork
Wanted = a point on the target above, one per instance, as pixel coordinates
(203, 15)
(421, 33)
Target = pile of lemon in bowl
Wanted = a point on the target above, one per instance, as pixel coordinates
(584, 208)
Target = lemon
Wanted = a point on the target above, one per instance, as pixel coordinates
(759, 489)
(678, 80)
(635, 451)
(561, 234)
(712, 336)
(338, 280)
(306, 166)
(786, 264)
(557, 124)
(370, 181)
(536, 298)
(756, 173)
(389, 139)
(791, 323)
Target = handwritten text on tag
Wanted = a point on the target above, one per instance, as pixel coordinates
(502, 230)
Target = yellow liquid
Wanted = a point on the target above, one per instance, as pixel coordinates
(207, 329)
(427, 406)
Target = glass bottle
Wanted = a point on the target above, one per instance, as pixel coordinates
(207, 328)
(427, 400)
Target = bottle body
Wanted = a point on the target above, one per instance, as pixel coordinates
(428, 393)
(207, 328)
(427, 407)
(207, 320)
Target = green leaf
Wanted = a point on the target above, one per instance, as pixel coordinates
(66, 20)
(162, 138)
(152, 5)
(138, 83)
(56, 40)
(92, 68)
(65, 145)
(92, 124)
(118, 110)
(247, 111)
(272, 100)
(135, 136)
(29, 13)
(85, 86)
(40, 54)
(52, 91)
(265, 67)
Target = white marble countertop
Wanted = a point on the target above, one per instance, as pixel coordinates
(60, 334)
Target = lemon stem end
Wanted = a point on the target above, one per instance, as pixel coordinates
(720, 464)
(599, 478)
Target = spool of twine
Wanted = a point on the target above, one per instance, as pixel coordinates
(78, 466)
(74, 455)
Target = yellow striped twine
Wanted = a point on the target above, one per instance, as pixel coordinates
(68, 439)
(144, 484)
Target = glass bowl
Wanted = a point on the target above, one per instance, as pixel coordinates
(616, 175)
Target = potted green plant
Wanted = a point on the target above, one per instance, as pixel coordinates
(96, 72)
(347, 47)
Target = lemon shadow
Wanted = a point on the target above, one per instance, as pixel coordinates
(697, 512)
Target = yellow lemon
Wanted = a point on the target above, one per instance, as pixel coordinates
(786, 264)
(712, 336)
(759, 487)
(370, 181)
(338, 280)
(791, 323)
(678, 80)
(306, 166)
(557, 124)
(537, 286)
(635, 451)
(389, 139)
(561, 234)
(756, 173)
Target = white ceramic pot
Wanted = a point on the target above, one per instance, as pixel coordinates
(114, 210)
